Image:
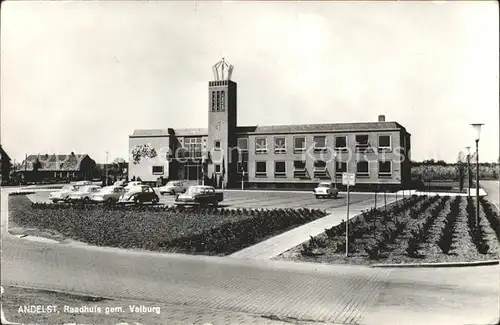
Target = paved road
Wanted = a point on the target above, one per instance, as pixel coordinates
(251, 199)
(493, 189)
(326, 293)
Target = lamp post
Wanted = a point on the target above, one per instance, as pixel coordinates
(468, 170)
(477, 128)
(106, 167)
(335, 167)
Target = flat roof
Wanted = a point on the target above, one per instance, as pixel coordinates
(279, 129)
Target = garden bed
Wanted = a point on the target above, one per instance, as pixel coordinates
(212, 231)
(419, 229)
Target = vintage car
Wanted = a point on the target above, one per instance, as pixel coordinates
(82, 183)
(199, 195)
(108, 194)
(140, 194)
(133, 184)
(173, 187)
(84, 193)
(63, 194)
(121, 183)
(326, 190)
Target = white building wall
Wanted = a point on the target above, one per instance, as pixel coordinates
(144, 168)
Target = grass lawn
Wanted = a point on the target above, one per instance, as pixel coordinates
(420, 229)
(212, 231)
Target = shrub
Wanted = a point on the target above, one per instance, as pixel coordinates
(212, 230)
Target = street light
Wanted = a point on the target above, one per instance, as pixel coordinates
(106, 165)
(477, 128)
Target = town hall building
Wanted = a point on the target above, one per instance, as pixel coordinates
(273, 156)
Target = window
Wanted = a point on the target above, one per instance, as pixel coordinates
(243, 144)
(261, 145)
(299, 144)
(362, 169)
(217, 168)
(340, 167)
(341, 143)
(384, 169)
(222, 100)
(384, 142)
(319, 143)
(193, 147)
(157, 170)
(319, 169)
(299, 169)
(361, 142)
(279, 145)
(279, 169)
(218, 101)
(217, 144)
(260, 169)
(213, 101)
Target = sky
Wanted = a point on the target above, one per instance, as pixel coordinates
(81, 76)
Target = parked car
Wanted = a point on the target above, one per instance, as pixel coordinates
(132, 185)
(84, 193)
(62, 194)
(140, 194)
(173, 187)
(82, 183)
(121, 183)
(108, 194)
(326, 189)
(199, 195)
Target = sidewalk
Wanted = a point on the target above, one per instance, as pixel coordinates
(276, 245)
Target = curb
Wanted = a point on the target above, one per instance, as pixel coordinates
(435, 265)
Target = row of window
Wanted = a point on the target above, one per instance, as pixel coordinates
(218, 101)
(320, 144)
(299, 169)
(319, 169)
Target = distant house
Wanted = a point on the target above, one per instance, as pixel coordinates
(4, 166)
(50, 168)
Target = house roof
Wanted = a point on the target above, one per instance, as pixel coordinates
(55, 162)
(150, 133)
(279, 129)
(311, 128)
(3, 154)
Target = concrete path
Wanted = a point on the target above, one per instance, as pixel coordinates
(303, 291)
(279, 244)
(493, 189)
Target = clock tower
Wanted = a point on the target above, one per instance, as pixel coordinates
(221, 125)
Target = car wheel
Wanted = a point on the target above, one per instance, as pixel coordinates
(109, 201)
(317, 196)
(172, 192)
(155, 200)
(137, 201)
(215, 204)
(86, 200)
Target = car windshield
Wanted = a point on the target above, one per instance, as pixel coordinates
(324, 185)
(68, 188)
(108, 189)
